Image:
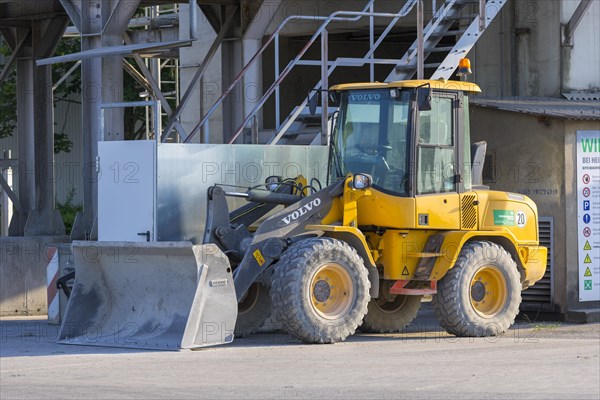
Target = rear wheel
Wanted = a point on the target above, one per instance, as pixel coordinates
(481, 294)
(253, 310)
(320, 290)
(390, 313)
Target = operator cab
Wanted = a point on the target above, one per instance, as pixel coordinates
(409, 143)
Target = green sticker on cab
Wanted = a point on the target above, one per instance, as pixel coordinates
(504, 218)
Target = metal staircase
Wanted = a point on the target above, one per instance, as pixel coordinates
(451, 33)
(465, 20)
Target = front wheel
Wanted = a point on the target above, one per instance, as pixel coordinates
(320, 290)
(481, 294)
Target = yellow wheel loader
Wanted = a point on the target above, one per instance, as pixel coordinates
(403, 214)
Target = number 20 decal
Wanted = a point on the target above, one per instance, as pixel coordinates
(521, 219)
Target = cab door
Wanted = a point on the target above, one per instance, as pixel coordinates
(438, 175)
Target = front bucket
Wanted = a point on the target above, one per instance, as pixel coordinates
(163, 296)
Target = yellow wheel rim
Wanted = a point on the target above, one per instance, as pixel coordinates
(488, 291)
(331, 291)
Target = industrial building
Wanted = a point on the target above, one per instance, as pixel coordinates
(245, 72)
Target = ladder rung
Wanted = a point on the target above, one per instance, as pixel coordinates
(449, 33)
(440, 49)
(469, 17)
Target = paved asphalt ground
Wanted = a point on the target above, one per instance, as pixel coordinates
(532, 361)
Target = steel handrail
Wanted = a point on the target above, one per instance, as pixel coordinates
(256, 57)
(291, 65)
(339, 62)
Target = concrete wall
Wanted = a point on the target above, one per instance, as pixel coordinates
(536, 156)
(23, 263)
(530, 159)
(521, 54)
(580, 62)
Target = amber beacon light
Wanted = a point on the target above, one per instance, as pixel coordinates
(464, 68)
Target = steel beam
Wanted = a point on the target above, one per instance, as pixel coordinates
(10, 63)
(420, 41)
(571, 26)
(10, 193)
(154, 88)
(325, 86)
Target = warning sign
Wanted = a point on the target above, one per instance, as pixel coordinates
(588, 211)
(405, 272)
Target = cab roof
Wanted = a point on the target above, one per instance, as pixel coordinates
(435, 84)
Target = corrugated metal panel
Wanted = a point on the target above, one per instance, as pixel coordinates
(582, 96)
(69, 168)
(540, 297)
(10, 143)
(544, 107)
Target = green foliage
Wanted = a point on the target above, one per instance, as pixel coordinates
(8, 93)
(8, 99)
(73, 84)
(68, 210)
(62, 143)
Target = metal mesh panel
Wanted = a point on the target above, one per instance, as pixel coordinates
(540, 297)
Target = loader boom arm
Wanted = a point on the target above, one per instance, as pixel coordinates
(259, 251)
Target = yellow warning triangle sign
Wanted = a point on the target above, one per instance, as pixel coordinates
(405, 272)
(588, 259)
(587, 246)
(587, 272)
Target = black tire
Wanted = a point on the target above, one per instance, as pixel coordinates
(390, 313)
(253, 310)
(320, 290)
(486, 306)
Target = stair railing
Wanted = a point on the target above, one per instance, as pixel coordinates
(350, 16)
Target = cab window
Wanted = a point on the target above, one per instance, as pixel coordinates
(436, 148)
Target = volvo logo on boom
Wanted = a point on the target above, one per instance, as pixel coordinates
(301, 211)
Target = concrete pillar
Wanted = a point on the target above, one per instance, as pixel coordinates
(210, 87)
(233, 106)
(112, 91)
(25, 135)
(43, 219)
(90, 26)
(252, 79)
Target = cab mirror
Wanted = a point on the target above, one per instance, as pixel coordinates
(424, 98)
(362, 181)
